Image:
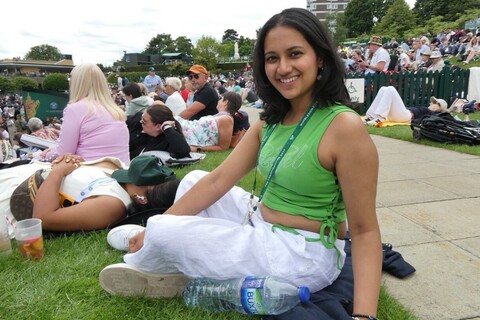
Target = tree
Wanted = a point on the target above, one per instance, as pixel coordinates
(396, 21)
(358, 17)
(160, 44)
(450, 10)
(206, 52)
(227, 49)
(230, 35)
(360, 13)
(44, 52)
(246, 46)
(184, 45)
(340, 33)
(423, 9)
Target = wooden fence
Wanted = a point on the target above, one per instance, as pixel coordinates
(416, 87)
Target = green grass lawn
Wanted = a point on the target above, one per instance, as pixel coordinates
(64, 285)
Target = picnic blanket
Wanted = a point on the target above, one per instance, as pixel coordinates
(389, 123)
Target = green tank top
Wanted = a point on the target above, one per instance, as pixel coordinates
(301, 186)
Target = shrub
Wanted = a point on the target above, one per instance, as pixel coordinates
(55, 82)
(6, 86)
(24, 83)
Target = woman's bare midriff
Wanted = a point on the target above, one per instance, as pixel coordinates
(298, 222)
(105, 164)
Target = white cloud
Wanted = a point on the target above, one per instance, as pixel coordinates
(100, 31)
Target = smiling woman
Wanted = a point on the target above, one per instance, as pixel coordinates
(317, 176)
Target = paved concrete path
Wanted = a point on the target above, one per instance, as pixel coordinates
(428, 206)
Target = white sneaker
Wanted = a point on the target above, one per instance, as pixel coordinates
(119, 237)
(375, 122)
(126, 280)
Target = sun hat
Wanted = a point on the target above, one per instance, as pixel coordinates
(196, 68)
(144, 171)
(151, 69)
(426, 53)
(436, 54)
(442, 103)
(377, 40)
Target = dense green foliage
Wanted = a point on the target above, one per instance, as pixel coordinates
(6, 85)
(44, 52)
(55, 82)
(205, 53)
(397, 21)
(24, 83)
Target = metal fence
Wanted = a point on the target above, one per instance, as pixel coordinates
(416, 87)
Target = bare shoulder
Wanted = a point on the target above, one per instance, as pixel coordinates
(346, 137)
(348, 125)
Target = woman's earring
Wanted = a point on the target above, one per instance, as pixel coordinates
(319, 75)
(140, 199)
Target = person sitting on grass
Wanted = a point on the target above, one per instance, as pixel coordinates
(158, 131)
(388, 105)
(218, 132)
(316, 177)
(35, 125)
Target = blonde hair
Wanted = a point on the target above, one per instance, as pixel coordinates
(88, 82)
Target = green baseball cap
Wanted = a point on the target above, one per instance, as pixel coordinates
(144, 171)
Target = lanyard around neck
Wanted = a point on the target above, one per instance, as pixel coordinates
(279, 158)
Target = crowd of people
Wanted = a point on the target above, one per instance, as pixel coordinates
(425, 53)
(96, 138)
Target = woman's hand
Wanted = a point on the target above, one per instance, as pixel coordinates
(66, 164)
(136, 242)
(68, 157)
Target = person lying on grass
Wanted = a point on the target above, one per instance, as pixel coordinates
(77, 195)
(388, 105)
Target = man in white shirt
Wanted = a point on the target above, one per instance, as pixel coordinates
(380, 59)
(175, 101)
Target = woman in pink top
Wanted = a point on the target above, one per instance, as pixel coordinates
(93, 125)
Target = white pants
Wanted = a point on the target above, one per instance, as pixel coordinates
(215, 244)
(389, 105)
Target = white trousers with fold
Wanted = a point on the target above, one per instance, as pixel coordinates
(215, 244)
(389, 105)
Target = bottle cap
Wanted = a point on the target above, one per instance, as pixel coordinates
(303, 294)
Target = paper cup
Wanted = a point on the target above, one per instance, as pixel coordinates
(28, 234)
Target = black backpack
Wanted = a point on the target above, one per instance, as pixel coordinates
(443, 127)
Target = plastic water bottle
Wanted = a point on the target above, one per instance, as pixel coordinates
(250, 295)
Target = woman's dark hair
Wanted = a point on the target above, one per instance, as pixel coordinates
(161, 113)
(328, 90)
(132, 89)
(234, 102)
(158, 197)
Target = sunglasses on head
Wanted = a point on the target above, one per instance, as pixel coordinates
(196, 76)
